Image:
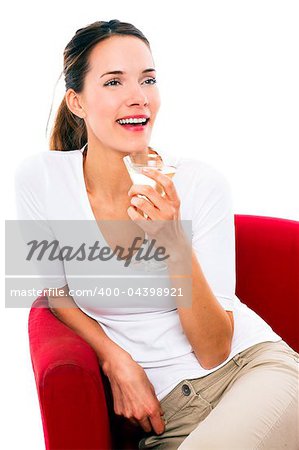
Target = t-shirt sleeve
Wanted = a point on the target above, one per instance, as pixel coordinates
(214, 234)
(30, 196)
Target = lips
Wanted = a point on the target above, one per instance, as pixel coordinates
(134, 123)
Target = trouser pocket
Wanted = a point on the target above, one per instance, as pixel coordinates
(183, 411)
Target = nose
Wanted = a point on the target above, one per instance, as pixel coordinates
(137, 96)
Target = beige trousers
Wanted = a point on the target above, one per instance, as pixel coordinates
(250, 403)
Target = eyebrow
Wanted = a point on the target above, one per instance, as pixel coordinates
(120, 72)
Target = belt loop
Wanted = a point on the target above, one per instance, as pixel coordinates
(237, 359)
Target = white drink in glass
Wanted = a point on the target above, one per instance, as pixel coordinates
(137, 161)
(134, 164)
(140, 178)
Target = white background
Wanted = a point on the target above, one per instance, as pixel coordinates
(228, 74)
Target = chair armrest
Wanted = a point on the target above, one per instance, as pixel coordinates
(267, 269)
(69, 384)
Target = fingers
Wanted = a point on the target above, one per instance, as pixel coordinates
(118, 403)
(153, 421)
(145, 206)
(137, 217)
(157, 422)
(134, 421)
(156, 417)
(149, 192)
(164, 180)
(144, 409)
(146, 424)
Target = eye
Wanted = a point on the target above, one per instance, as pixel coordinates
(112, 82)
(151, 81)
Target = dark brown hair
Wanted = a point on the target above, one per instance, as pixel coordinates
(69, 131)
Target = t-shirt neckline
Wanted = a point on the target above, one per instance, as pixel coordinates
(88, 205)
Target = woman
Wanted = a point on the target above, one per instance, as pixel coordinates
(211, 374)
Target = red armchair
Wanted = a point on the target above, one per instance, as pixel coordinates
(74, 395)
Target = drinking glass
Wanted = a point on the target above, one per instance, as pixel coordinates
(134, 163)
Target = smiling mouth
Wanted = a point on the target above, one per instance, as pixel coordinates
(133, 122)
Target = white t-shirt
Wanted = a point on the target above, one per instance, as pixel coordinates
(50, 186)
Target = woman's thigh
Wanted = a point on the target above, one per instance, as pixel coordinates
(259, 409)
(255, 393)
(184, 408)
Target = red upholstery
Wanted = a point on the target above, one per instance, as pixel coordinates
(69, 385)
(267, 271)
(75, 399)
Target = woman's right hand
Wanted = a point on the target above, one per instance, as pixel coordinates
(133, 394)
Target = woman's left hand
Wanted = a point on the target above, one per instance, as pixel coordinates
(163, 221)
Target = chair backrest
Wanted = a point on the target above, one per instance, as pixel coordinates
(267, 271)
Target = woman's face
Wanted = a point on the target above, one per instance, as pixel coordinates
(129, 92)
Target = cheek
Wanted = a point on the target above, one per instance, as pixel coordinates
(101, 103)
(102, 111)
(155, 102)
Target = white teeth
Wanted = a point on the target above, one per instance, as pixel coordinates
(131, 120)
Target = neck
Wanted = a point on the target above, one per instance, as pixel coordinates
(105, 173)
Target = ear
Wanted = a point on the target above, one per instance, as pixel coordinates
(73, 103)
